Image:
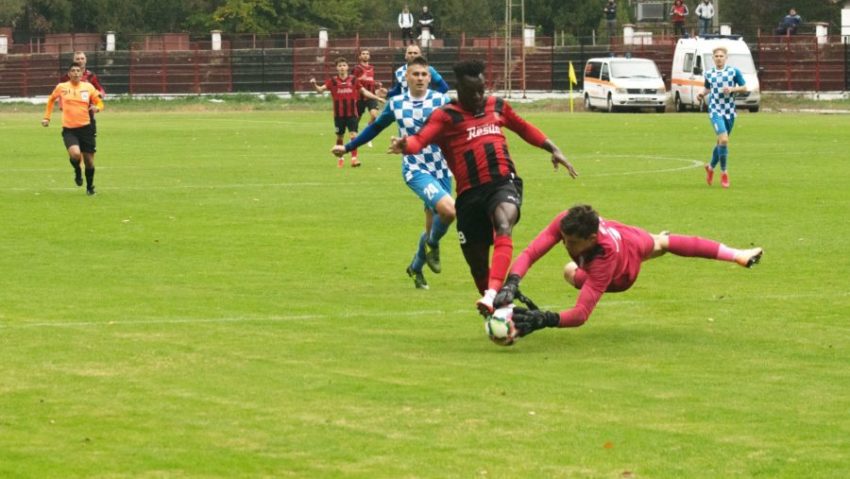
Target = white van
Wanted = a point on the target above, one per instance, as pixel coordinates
(616, 83)
(694, 55)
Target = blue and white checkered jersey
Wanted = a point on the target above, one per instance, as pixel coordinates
(721, 104)
(410, 114)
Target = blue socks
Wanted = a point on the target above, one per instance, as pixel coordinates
(438, 230)
(722, 155)
(419, 257)
(714, 158)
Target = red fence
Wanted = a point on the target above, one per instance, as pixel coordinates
(795, 63)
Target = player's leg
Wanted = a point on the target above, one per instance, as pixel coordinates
(75, 157)
(475, 233)
(88, 147)
(503, 206)
(414, 270)
(339, 130)
(435, 194)
(698, 247)
(352, 134)
(724, 152)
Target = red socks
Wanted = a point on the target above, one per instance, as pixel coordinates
(503, 252)
(694, 246)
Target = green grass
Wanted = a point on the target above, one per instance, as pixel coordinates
(233, 305)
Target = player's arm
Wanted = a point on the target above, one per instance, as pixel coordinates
(740, 82)
(96, 83)
(49, 108)
(395, 90)
(437, 82)
(368, 134)
(533, 136)
(367, 94)
(542, 244)
(431, 130)
(317, 87)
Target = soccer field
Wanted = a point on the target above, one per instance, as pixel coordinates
(231, 304)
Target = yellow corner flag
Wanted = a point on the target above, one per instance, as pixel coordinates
(573, 81)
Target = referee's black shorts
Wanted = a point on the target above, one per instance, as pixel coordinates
(84, 137)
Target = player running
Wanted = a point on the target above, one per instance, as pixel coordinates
(721, 84)
(346, 91)
(605, 257)
(489, 192)
(77, 98)
(365, 72)
(425, 173)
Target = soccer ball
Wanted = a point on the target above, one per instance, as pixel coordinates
(500, 327)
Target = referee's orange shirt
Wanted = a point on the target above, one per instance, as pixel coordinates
(75, 103)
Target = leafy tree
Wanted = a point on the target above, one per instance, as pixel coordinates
(246, 16)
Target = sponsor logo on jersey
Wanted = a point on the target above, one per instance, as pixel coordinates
(490, 129)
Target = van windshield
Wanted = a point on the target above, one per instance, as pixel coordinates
(633, 69)
(741, 61)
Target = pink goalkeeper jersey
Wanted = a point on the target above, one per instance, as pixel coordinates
(613, 265)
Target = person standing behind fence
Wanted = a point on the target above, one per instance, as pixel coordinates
(426, 20)
(789, 23)
(610, 12)
(705, 13)
(78, 98)
(678, 12)
(405, 22)
(90, 77)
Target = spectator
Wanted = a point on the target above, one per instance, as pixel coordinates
(705, 12)
(678, 12)
(610, 12)
(789, 24)
(405, 22)
(426, 20)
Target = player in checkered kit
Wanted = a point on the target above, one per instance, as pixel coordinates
(721, 84)
(426, 173)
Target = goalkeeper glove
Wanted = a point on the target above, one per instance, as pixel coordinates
(527, 321)
(508, 292)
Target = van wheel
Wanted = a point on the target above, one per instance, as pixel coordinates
(587, 105)
(660, 109)
(680, 107)
(611, 107)
(754, 109)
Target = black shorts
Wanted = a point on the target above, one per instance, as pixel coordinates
(367, 104)
(84, 137)
(342, 123)
(475, 209)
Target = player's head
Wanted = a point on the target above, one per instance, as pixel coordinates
(365, 56)
(412, 52)
(418, 76)
(341, 66)
(579, 228)
(719, 55)
(75, 71)
(470, 84)
(80, 57)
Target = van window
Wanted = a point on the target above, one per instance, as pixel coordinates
(698, 66)
(689, 63)
(592, 70)
(604, 76)
(634, 69)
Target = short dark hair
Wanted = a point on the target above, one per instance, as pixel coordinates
(75, 64)
(340, 60)
(418, 60)
(581, 221)
(471, 68)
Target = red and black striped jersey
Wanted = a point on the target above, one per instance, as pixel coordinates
(345, 92)
(366, 75)
(473, 143)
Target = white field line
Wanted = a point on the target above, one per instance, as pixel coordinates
(607, 303)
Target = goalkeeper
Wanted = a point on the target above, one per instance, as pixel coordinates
(605, 257)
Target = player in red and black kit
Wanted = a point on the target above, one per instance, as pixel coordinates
(346, 91)
(365, 72)
(606, 257)
(90, 77)
(489, 192)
